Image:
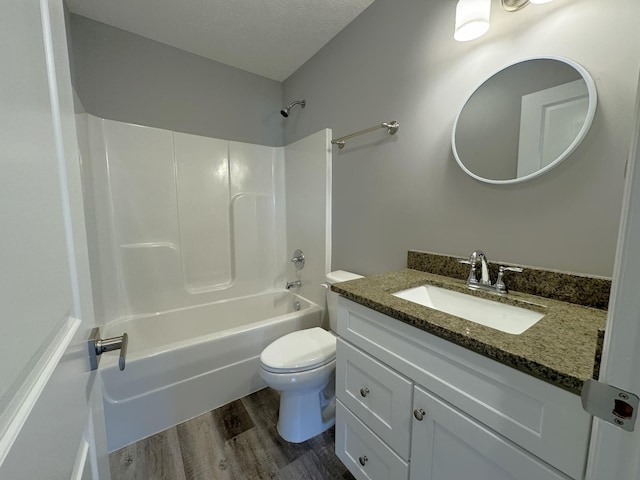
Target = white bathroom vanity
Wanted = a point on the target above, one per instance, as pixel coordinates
(411, 405)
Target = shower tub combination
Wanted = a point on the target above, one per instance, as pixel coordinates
(186, 362)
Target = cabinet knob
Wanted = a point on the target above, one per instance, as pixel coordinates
(364, 392)
(363, 459)
(419, 414)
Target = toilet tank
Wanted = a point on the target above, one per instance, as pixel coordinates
(332, 297)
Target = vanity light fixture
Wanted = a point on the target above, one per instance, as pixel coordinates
(515, 5)
(472, 16)
(472, 19)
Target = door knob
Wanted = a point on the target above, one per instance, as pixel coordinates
(97, 346)
(419, 414)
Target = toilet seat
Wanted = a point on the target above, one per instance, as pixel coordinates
(299, 351)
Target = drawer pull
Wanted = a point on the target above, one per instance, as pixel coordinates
(419, 414)
(364, 392)
(363, 459)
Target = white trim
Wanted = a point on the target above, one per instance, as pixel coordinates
(21, 405)
(90, 438)
(81, 460)
(329, 199)
(56, 121)
(614, 453)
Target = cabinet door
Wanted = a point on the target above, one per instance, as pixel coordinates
(447, 444)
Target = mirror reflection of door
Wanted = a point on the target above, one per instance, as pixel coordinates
(550, 121)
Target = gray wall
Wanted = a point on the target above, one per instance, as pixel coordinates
(122, 76)
(398, 61)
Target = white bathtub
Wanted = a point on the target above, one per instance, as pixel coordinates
(186, 362)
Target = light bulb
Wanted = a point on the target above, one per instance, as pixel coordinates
(472, 19)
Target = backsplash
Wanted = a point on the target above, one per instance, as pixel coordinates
(579, 289)
(598, 359)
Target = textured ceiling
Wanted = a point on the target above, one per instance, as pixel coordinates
(272, 38)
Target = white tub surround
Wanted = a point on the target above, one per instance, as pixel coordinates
(308, 204)
(183, 220)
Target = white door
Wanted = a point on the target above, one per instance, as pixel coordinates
(49, 399)
(550, 121)
(615, 453)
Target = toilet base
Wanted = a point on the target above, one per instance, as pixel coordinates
(305, 415)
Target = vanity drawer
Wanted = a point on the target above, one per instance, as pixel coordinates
(376, 394)
(364, 454)
(543, 419)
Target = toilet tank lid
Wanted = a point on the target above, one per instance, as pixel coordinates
(341, 276)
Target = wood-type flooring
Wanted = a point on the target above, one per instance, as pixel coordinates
(238, 441)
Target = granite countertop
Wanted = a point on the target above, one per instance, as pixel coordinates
(560, 349)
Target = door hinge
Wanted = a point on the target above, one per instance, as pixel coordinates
(610, 404)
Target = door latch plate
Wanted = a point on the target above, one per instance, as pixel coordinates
(610, 404)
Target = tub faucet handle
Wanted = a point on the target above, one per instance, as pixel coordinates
(298, 259)
(97, 346)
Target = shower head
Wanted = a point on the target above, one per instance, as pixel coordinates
(285, 111)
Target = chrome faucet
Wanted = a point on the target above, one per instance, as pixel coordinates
(296, 284)
(473, 273)
(485, 280)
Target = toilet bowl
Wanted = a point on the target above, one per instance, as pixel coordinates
(301, 366)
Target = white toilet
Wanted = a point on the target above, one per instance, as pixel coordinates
(301, 366)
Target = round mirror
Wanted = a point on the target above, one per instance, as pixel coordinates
(524, 120)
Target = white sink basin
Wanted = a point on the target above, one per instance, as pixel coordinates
(507, 318)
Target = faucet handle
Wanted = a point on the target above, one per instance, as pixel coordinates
(509, 269)
(298, 259)
(472, 279)
(500, 286)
